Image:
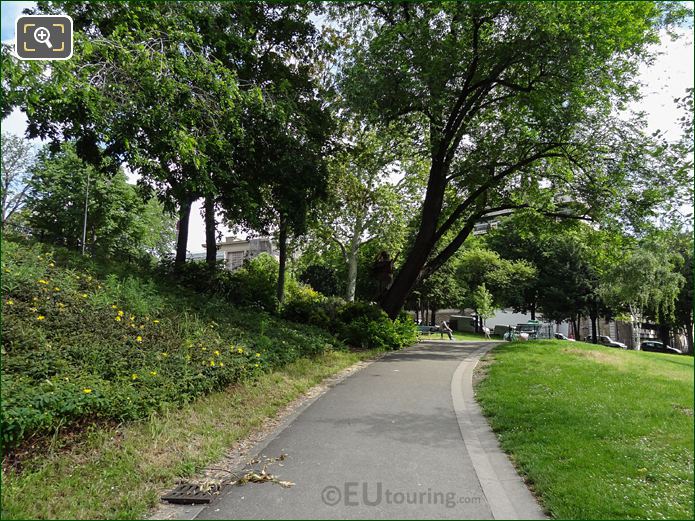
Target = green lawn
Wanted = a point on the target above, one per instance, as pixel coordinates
(599, 433)
(477, 337)
(467, 337)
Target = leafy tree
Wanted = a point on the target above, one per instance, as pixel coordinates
(285, 154)
(140, 89)
(273, 47)
(363, 205)
(570, 259)
(118, 221)
(17, 159)
(679, 244)
(483, 303)
(507, 280)
(442, 290)
(683, 313)
(512, 102)
(643, 280)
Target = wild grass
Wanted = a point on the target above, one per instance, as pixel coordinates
(119, 472)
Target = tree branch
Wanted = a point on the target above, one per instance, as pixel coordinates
(342, 247)
(493, 180)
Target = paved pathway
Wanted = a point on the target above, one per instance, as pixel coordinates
(401, 439)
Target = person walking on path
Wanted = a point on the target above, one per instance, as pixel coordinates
(444, 328)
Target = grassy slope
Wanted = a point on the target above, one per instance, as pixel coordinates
(108, 341)
(119, 473)
(600, 433)
(115, 472)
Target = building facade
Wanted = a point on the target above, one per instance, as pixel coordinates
(235, 251)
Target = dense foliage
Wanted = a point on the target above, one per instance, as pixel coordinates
(119, 222)
(81, 342)
(358, 324)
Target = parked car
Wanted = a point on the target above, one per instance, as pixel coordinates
(560, 336)
(655, 346)
(608, 341)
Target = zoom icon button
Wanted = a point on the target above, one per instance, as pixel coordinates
(44, 37)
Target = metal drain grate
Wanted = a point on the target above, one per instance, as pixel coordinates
(189, 494)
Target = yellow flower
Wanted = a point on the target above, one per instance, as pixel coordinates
(7, 270)
(56, 289)
(40, 317)
(84, 295)
(153, 373)
(203, 348)
(120, 313)
(41, 281)
(35, 299)
(165, 355)
(258, 365)
(86, 390)
(221, 364)
(212, 363)
(156, 321)
(10, 302)
(118, 319)
(134, 376)
(60, 305)
(258, 355)
(138, 339)
(52, 265)
(239, 350)
(217, 353)
(114, 306)
(132, 317)
(34, 309)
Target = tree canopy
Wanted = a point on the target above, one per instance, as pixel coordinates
(506, 100)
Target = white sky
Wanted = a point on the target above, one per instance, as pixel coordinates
(668, 78)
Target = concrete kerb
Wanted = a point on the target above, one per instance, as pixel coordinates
(506, 494)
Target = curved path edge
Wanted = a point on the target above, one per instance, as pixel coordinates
(505, 491)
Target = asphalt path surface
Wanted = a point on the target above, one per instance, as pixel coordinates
(400, 439)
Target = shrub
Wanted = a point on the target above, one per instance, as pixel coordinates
(307, 306)
(253, 285)
(323, 279)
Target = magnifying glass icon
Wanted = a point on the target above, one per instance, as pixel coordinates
(43, 35)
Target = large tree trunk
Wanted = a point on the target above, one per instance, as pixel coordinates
(210, 233)
(182, 238)
(351, 276)
(636, 315)
(283, 259)
(410, 272)
(594, 329)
